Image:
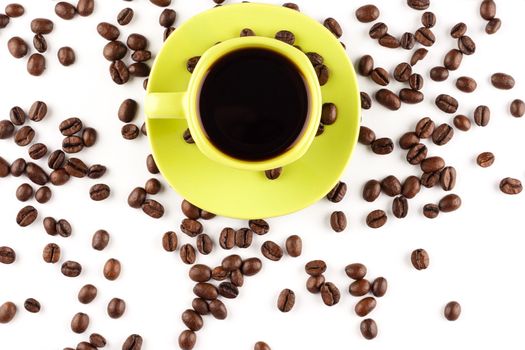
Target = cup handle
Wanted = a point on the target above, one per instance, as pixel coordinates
(165, 105)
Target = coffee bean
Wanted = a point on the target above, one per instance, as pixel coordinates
(243, 237)
(487, 9)
(151, 165)
(431, 211)
(466, 45)
(400, 207)
(365, 65)
(338, 221)
(167, 18)
(291, 6)
(71, 268)
(359, 288)
(26, 216)
(4, 20)
(294, 246)
(97, 340)
(187, 254)
(333, 26)
(453, 59)
(418, 55)
(432, 164)
(502, 81)
(428, 19)
(50, 225)
(411, 187)
(420, 259)
(80, 322)
(204, 244)
(41, 26)
(418, 4)
(125, 16)
(219, 273)
(228, 290)
(376, 219)
(356, 271)
(119, 72)
(337, 193)
(76, 167)
(7, 255)
(133, 342)
(192, 320)
(368, 328)
(286, 300)
(114, 50)
(137, 42)
(365, 306)
(56, 159)
(430, 179)
(63, 228)
(366, 101)
(260, 345)
(32, 305)
(112, 269)
(116, 308)
(187, 338)
(271, 251)
(99, 192)
(315, 267)
(411, 96)
(227, 238)
(462, 122)
(137, 197)
(17, 116)
(417, 154)
(141, 56)
(439, 74)
(259, 226)
(217, 309)
(383, 146)
(380, 76)
(482, 115)
(39, 42)
(314, 284)
(510, 186)
(388, 99)
(315, 58)
(108, 31)
(407, 41)
(425, 37)
(389, 41)
(89, 136)
(7, 312)
(59, 177)
(200, 306)
(458, 30)
(72, 144)
(366, 136)
(493, 26)
(65, 10)
(161, 3)
(87, 294)
(187, 137)
(447, 103)
(66, 56)
(130, 131)
(452, 311)
(517, 108)
(51, 253)
(191, 227)
(17, 47)
(379, 287)
(416, 81)
(200, 273)
(24, 192)
(447, 178)
(191, 211)
(378, 30)
(231, 263)
(371, 190)
(449, 203)
(330, 294)
(466, 84)
(85, 7)
(391, 186)
(408, 140)
(100, 240)
(367, 13)
(402, 72)
(328, 114)
(167, 32)
(7, 129)
(14, 10)
(285, 36)
(36, 174)
(442, 134)
(485, 159)
(323, 74)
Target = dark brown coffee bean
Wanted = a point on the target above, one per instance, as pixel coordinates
(187, 338)
(14, 10)
(72, 144)
(356, 271)
(442, 134)
(127, 110)
(285, 36)
(447, 178)
(70, 126)
(466, 84)
(99, 192)
(367, 13)
(323, 74)
(251, 266)
(260, 345)
(462, 122)
(330, 294)
(71, 268)
(63, 228)
(191, 211)
(4, 20)
(228, 290)
(411, 96)
(452, 309)
(315, 267)
(482, 115)
(65, 10)
(85, 7)
(458, 30)
(100, 240)
(39, 42)
(51, 253)
(400, 207)
(510, 186)
(217, 309)
(418, 55)
(402, 72)
(170, 241)
(36, 174)
(453, 59)
(219, 273)
(485, 159)
(17, 116)
(259, 226)
(388, 99)
(376, 219)
(416, 81)
(366, 136)
(116, 308)
(328, 114)
(187, 254)
(137, 42)
(428, 19)
(7, 255)
(32, 305)
(130, 131)
(517, 108)
(365, 65)
(366, 101)
(89, 137)
(243, 237)
(192, 320)
(151, 165)
(337, 193)
(56, 159)
(66, 56)
(24, 192)
(200, 306)
(449, 203)
(141, 56)
(59, 177)
(314, 284)
(112, 269)
(430, 179)
(420, 259)
(38, 111)
(7, 129)
(75, 167)
(87, 294)
(167, 18)
(271, 251)
(26, 216)
(191, 227)
(97, 340)
(466, 45)
(365, 306)
(231, 263)
(114, 50)
(227, 238)
(338, 221)
(411, 187)
(119, 72)
(187, 136)
(431, 211)
(161, 3)
(17, 47)
(333, 26)
(41, 26)
(143, 129)
(368, 329)
(80, 322)
(502, 81)
(389, 41)
(286, 300)
(447, 103)
(50, 226)
(379, 287)
(378, 30)
(408, 140)
(125, 16)
(391, 186)
(425, 37)
(493, 26)
(108, 31)
(407, 41)
(96, 171)
(487, 9)
(371, 190)
(359, 288)
(133, 342)
(383, 146)
(418, 4)
(294, 246)
(200, 273)
(432, 164)
(380, 76)
(439, 74)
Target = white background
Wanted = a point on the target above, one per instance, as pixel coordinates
(476, 253)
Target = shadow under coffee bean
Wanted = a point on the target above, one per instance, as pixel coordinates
(253, 104)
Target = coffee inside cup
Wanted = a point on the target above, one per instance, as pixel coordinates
(253, 104)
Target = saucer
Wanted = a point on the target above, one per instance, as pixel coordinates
(239, 193)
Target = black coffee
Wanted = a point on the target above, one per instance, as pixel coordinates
(253, 104)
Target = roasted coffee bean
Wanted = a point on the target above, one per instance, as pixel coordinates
(227, 238)
(137, 197)
(114, 50)
(89, 137)
(442, 134)
(87, 294)
(517, 108)
(17, 47)
(143, 129)
(56, 159)
(151, 165)
(187, 338)
(376, 219)
(400, 207)
(315, 267)
(161, 3)
(167, 18)
(453, 59)
(493, 26)
(112, 269)
(7, 312)
(41, 26)
(482, 115)
(418, 4)
(137, 42)
(191, 211)
(432, 164)
(452, 311)
(485, 159)
(402, 72)
(449, 203)
(379, 287)
(359, 288)
(251, 266)
(420, 259)
(487, 9)
(510, 186)
(416, 81)
(72, 144)
(365, 65)
(365, 306)
(367, 13)
(127, 110)
(411, 187)
(462, 122)
(383, 146)
(328, 114)
(130, 131)
(294, 246)
(259, 226)
(330, 294)
(228, 290)
(371, 190)
(285, 36)
(408, 140)
(192, 63)
(466, 84)
(271, 251)
(192, 320)
(108, 31)
(447, 178)
(286, 300)
(133, 342)
(217, 309)
(63, 228)
(466, 45)
(7, 255)
(80, 322)
(418, 55)
(51, 253)
(333, 26)
(200, 306)
(502, 81)
(338, 221)
(36, 174)
(32, 305)
(71, 268)
(119, 72)
(39, 42)
(125, 16)
(315, 58)
(200, 273)
(50, 225)
(425, 37)
(430, 179)
(337, 193)
(260, 345)
(75, 167)
(66, 56)
(187, 254)
(65, 10)
(24, 192)
(204, 244)
(411, 96)
(366, 101)
(219, 273)
(366, 136)
(391, 186)
(314, 284)
(323, 74)
(447, 103)
(14, 10)
(291, 5)
(380, 76)
(191, 227)
(368, 328)
(141, 56)
(439, 73)
(187, 136)
(26, 216)
(99, 192)
(167, 32)
(389, 41)
(231, 263)
(97, 340)
(378, 30)
(43, 195)
(407, 41)
(18, 167)
(417, 154)
(59, 177)
(85, 7)
(17, 116)
(100, 240)
(7, 129)
(458, 30)
(356, 271)
(431, 211)
(428, 19)
(116, 308)
(243, 237)
(388, 99)
(170, 241)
